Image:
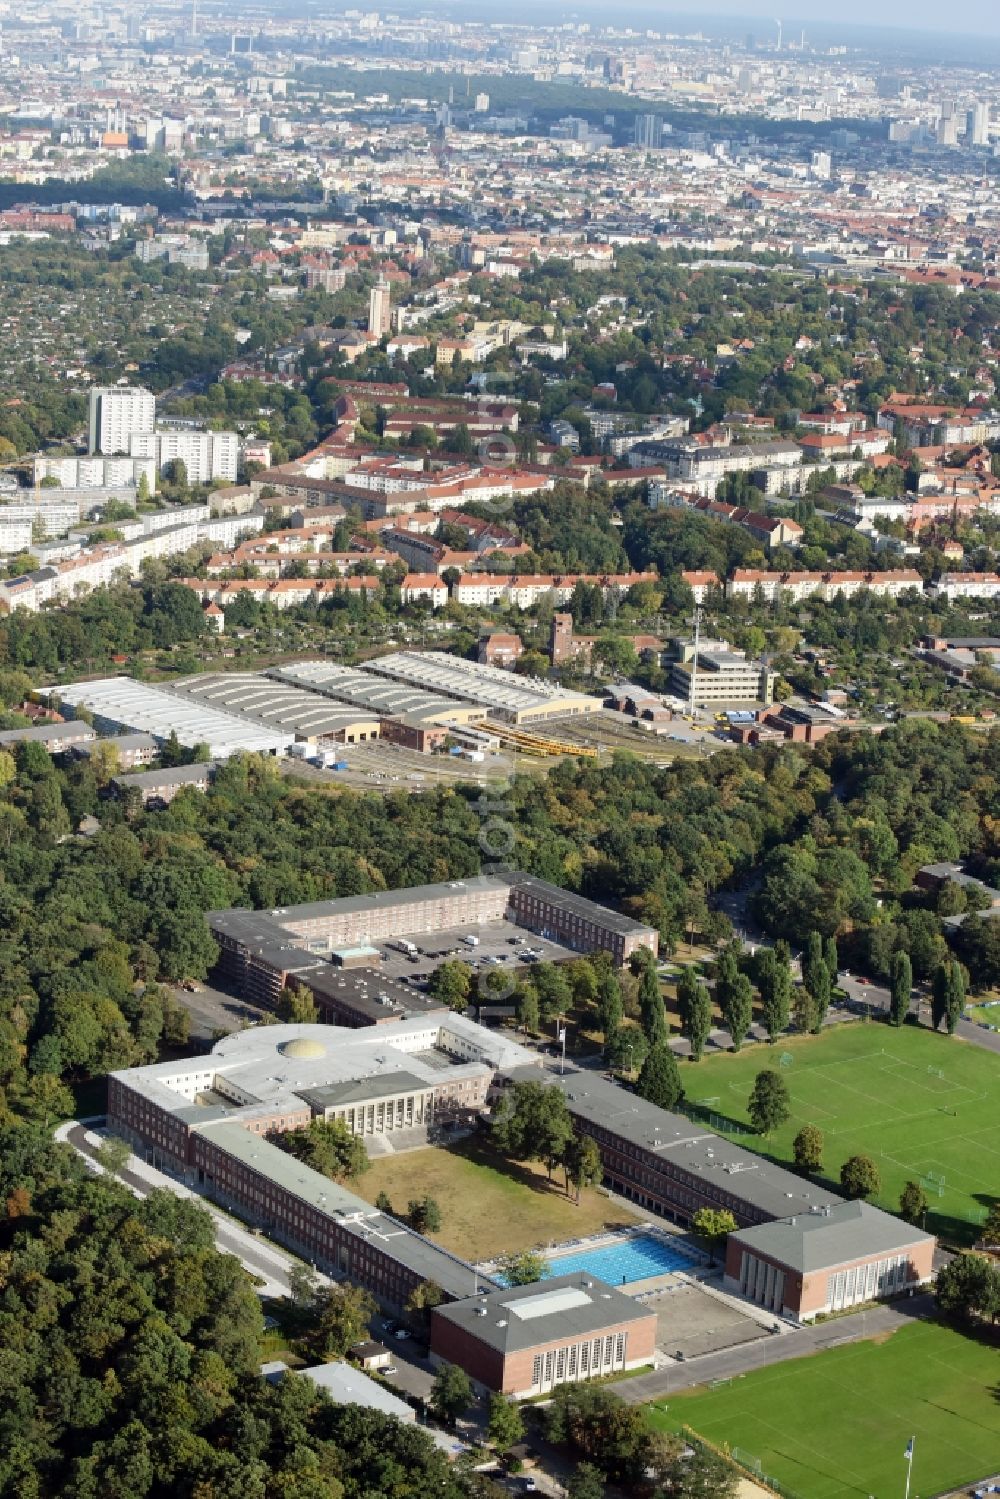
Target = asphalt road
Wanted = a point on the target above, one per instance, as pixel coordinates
(731, 1363)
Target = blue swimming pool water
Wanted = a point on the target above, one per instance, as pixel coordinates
(634, 1258)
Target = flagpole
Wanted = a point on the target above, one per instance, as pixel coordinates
(909, 1466)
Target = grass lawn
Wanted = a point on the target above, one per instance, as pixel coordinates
(873, 1089)
(837, 1424)
(989, 1013)
(489, 1206)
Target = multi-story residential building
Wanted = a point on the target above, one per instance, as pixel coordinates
(96, 472)
(749, 582)
(380, 309)
(205, 455)
(968, 586)
(116, 412)
(701, 468)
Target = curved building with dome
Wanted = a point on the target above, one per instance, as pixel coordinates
(208, 1119)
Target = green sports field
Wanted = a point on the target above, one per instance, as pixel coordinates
(924, 1106)
(836, 1424)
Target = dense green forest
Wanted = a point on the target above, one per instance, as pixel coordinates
(131, 1351)
(91, 925)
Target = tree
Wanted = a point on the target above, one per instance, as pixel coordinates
(913, 1203)
(774, 980)
(423, 1215)
(702, 1475)
(652, 1013)
(328, 1146)
(859, 1176)
(340, 1317)
(769, 1104)
(296, 1007)
(610, 1011)
(114, 1154)
(817, 979)
(807, 1148)
(451, 984)
(423, 1299)
(522, 1267)
(384, 1202)
(105, 761)
(968, 1288)
(805, 1011)
(713, 1225)
(528, 1014)
(584, 1167)
(991, 1228)
(948, 995)
(695, 1008)
(660, 1079)
(832, 959)
(737, 1011)
(900, 987)
(533, 1123)
(505, 1426)
(585, 1482)
(451, 1393)
(626, 1049)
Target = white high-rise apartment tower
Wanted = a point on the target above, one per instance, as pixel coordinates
(979, 125)
(379, 309)
(116, 411)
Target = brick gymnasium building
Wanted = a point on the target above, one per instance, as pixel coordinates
(815, 1263)
(525, 1340)
(262, 951)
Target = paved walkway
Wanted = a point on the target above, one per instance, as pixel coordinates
(730, 1363)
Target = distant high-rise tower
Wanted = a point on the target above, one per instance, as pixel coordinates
(379, 309)
(979, 125)
(947, 125)
(648, 131)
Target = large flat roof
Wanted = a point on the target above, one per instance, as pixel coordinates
(315, 910)
(145, 708)
(362, 689)
(275, 704)
(564, 1306)
(846, 1232)
(490, 686)
(690, 1146)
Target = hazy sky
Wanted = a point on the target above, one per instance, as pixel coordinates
(980, 17)
(972, 16)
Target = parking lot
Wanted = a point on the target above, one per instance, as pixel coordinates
(500, 945)
(215, 1012)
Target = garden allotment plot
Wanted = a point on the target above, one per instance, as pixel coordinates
(926, 1107)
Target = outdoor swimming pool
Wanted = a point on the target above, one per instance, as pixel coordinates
(635, 1258)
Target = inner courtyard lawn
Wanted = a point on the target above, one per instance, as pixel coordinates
(922, 1105)
(489, 1206)
(836, 1425)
